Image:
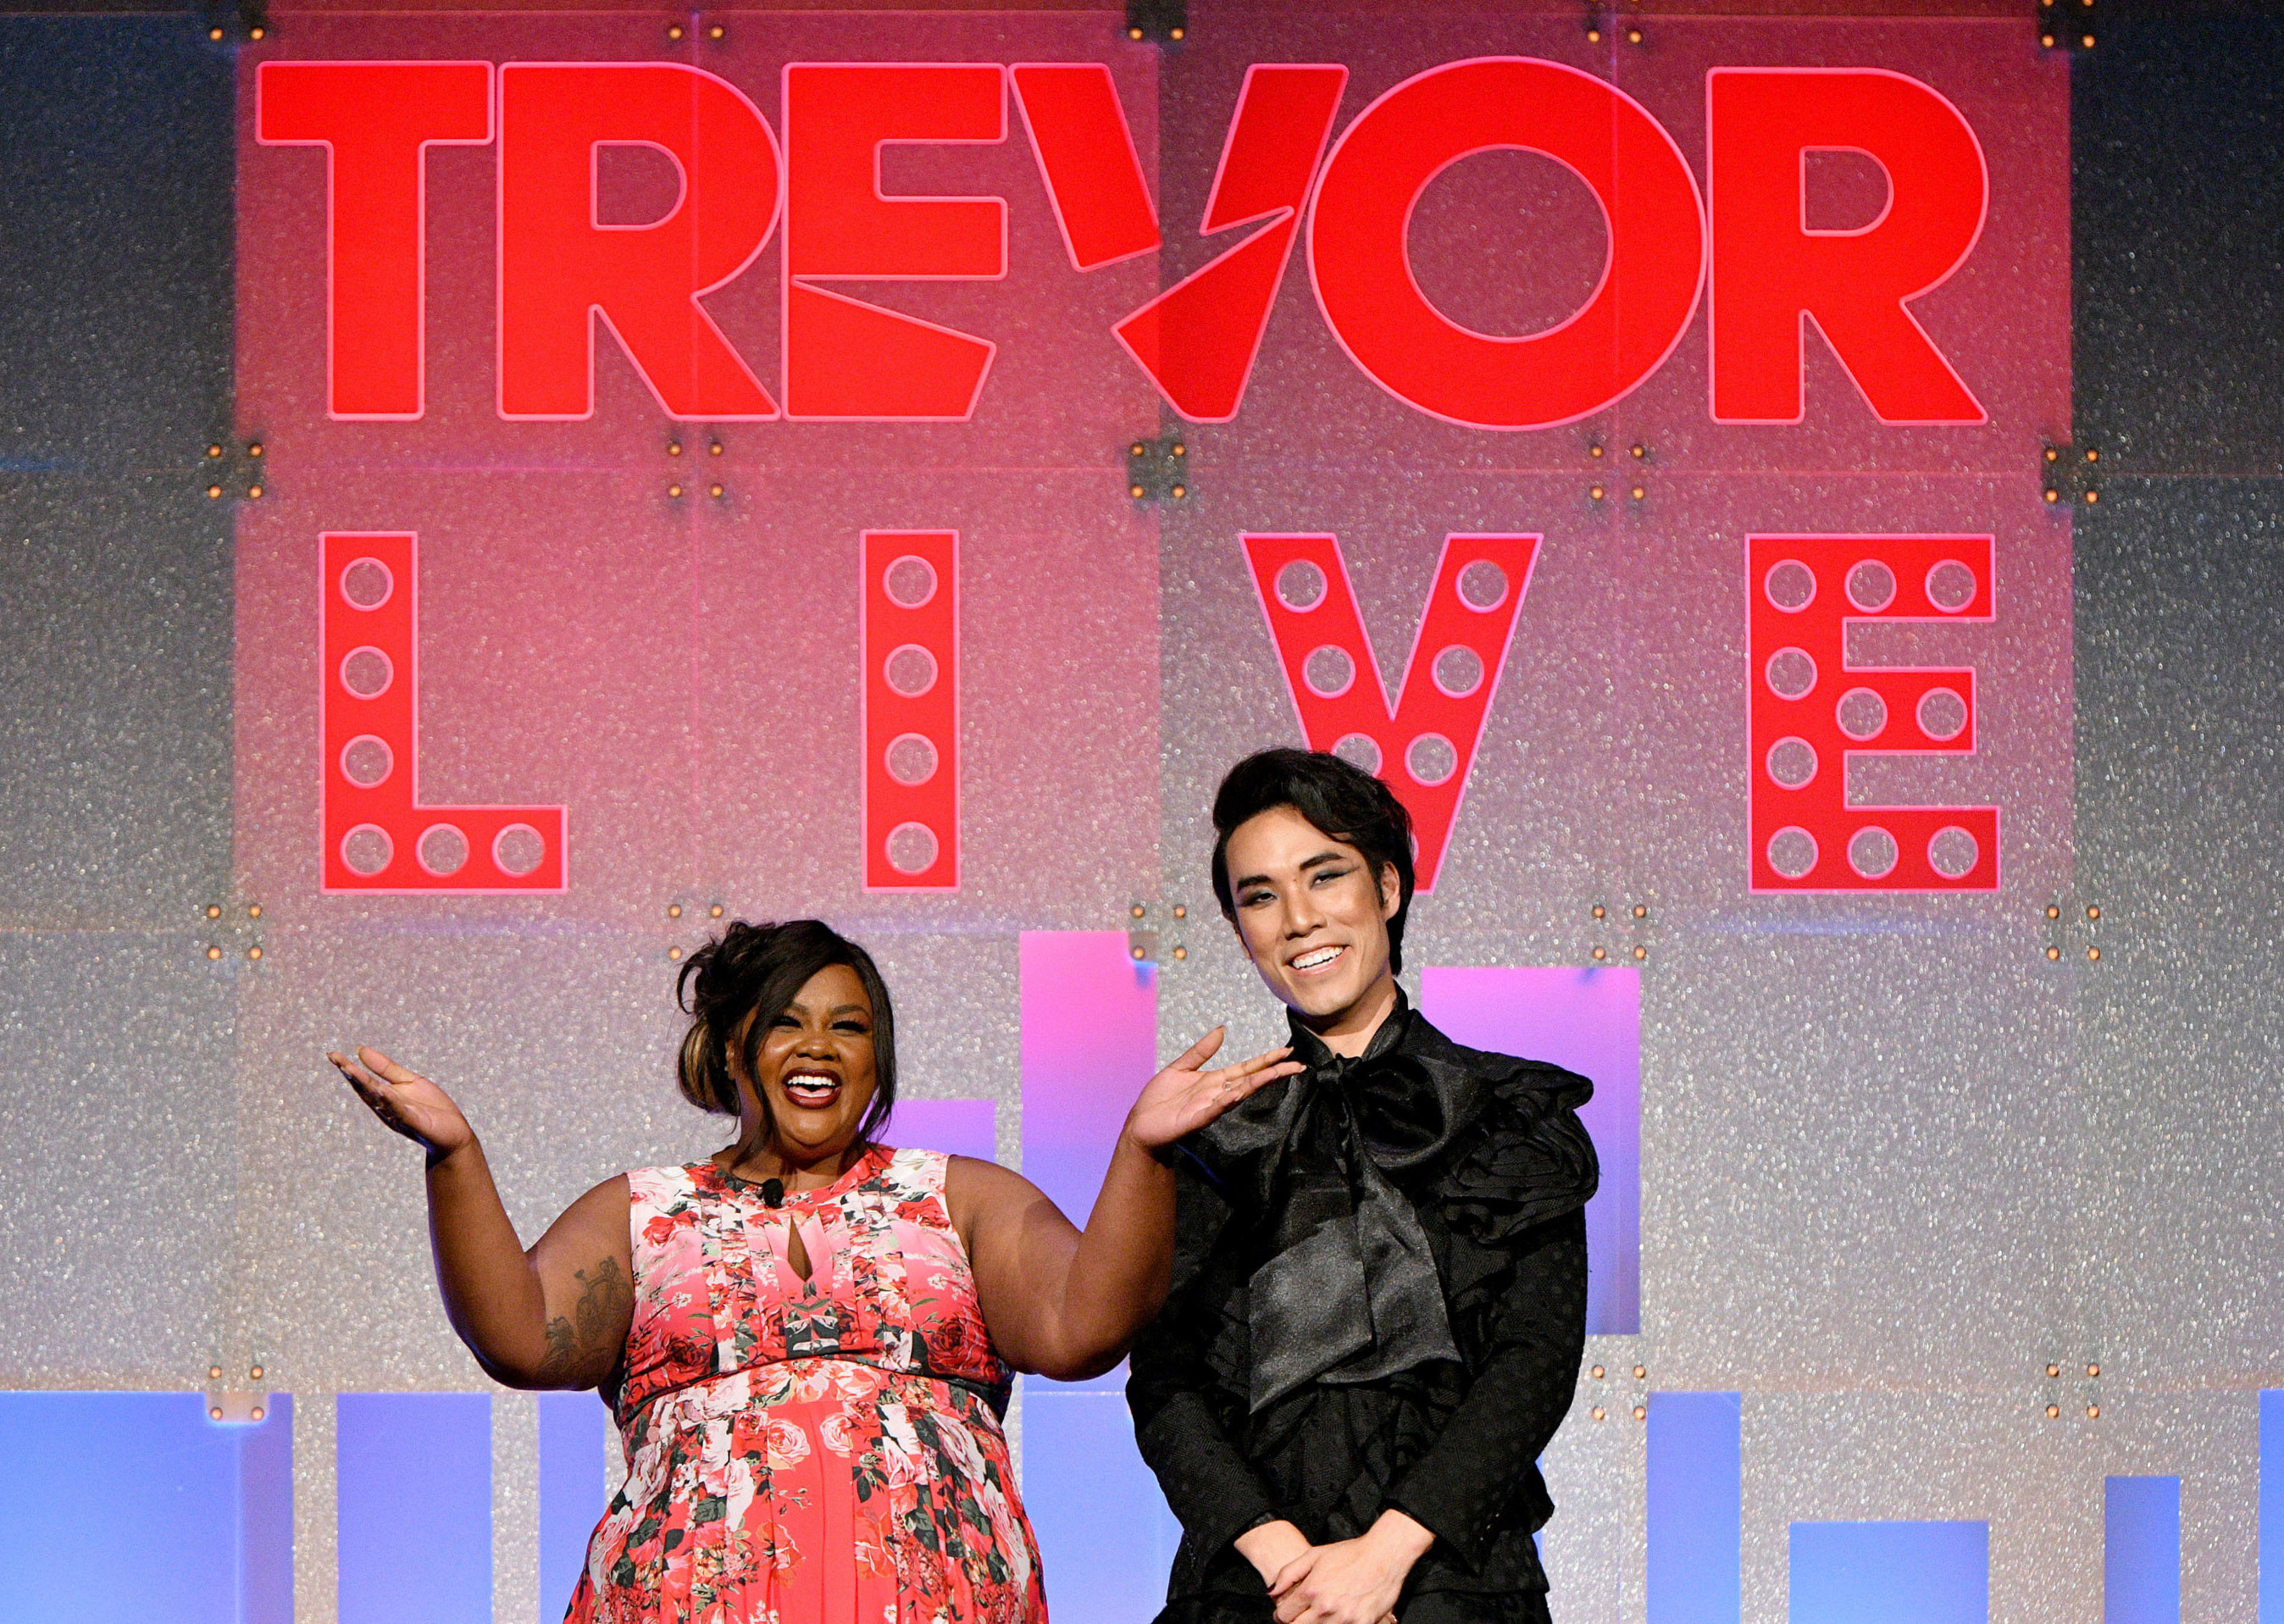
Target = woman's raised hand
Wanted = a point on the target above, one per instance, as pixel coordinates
(407, 1102)
(1183, 1098)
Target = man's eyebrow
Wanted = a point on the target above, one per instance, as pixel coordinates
(1316, 862)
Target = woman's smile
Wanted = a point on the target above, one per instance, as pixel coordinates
(812, 1089)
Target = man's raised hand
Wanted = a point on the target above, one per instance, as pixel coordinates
(1185, 1097)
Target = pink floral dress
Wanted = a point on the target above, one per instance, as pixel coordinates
(817, 1451)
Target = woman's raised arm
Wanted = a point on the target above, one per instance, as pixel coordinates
(556, 1316)
(1067, 1304)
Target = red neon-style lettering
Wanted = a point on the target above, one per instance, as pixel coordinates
(1425, 742)
(1773, 273)
(1198, 339)
(848, 360)
(1086, 156)
(378, 835)
(1362, 269)
(376, 121)
(560, 269)
(1811, 711)
(911, 651)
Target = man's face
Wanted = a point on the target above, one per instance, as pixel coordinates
(1312, 914)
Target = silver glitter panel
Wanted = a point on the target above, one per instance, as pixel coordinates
(1973, 1456)
(1309, 406)
(115, 701)
(2177, 311)
(515, 1506)
(1596, 1472)
(1679, 670)
(2179, 707)
(2183, 1029)
(115, 311)
(682, 676)
(2000, 319)
(958, 1022)
(2185, 1155)
(1860, 1160)
(2210, 1439)
(123, 1141)
(316, 1512)
(1991, 1454)
(558, 1046)
(1216, 985)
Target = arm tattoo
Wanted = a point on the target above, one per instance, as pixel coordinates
(588, 1342)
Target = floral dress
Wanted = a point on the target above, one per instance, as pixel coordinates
(817, 1451)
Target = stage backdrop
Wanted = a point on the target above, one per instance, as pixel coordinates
(504, 492)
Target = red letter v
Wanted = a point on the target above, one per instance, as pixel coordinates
(1424, 745)
(1198, 338)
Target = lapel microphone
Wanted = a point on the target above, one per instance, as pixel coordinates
(774, 1191)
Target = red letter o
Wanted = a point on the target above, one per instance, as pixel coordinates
(1359, 262)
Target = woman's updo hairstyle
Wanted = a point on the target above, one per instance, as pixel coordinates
(738, 983)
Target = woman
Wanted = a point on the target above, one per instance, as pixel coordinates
(808, 1340)
(1380, 1282)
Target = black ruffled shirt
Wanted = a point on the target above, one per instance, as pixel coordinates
(1379, 1300)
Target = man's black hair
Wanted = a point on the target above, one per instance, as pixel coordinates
(1340, 799)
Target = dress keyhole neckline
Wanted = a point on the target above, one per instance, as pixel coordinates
(797, 1253)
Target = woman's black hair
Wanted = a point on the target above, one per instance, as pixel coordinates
(736, 984)
(1341, 799)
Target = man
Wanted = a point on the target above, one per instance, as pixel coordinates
(1380, 1274)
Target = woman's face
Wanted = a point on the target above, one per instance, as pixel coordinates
(814, 1069)
(1310, 912)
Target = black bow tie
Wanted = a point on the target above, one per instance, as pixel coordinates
(1350, 1292)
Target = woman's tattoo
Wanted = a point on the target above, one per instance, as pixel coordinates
(576, 1345)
